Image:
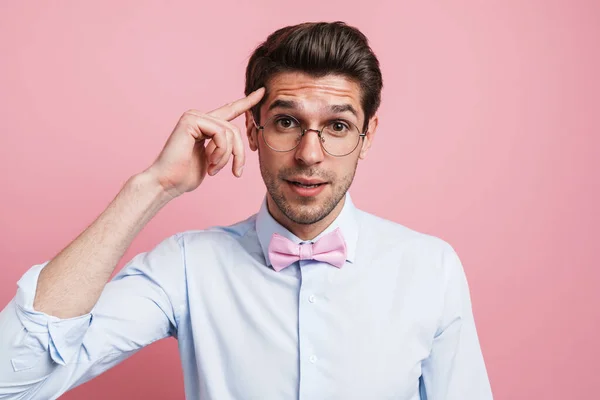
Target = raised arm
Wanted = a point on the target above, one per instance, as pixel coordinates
(66, 324)
(72, 282)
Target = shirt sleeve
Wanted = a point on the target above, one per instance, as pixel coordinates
(455, 368)
(42, 356)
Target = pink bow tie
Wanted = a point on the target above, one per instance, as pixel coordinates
(331, 248)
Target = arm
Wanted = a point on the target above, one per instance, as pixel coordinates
(66, 325)
(71, 283)
(455, 369)
(59, 331)
(42, 356)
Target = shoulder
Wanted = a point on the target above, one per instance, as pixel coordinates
(170, 255)
(393, 243)
(217, 246)
(217, 235)
(168, 263)
(395, 234)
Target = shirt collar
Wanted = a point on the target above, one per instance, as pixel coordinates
(266, 226)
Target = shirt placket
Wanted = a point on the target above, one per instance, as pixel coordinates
(312, 384)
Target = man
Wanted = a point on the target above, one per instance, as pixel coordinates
(310, 298)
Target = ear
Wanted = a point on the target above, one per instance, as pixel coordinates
(251, 131)
(366, 145)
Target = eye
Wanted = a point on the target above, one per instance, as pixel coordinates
(285, 122)
(339, 126)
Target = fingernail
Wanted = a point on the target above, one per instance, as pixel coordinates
(239, 171)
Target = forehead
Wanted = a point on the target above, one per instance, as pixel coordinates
(313, 93)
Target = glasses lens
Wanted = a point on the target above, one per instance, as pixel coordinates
(340, 138)
(282, 133)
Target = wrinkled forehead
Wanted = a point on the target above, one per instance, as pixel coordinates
(297, 92)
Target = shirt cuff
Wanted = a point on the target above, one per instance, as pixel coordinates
(61, 338)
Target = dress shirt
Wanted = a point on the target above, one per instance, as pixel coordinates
(394, 322)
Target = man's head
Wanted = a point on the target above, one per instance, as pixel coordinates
(320, 74)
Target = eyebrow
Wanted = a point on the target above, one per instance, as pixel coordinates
(293, 105)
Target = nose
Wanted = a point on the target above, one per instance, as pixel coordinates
(309, 150)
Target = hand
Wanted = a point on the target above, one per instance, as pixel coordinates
(184, 161)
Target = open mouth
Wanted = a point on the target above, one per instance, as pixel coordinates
(307, 186)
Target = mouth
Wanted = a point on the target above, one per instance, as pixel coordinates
(306, 183)
(302, 185)
(306, 187)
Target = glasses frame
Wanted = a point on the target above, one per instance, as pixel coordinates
(304, 130)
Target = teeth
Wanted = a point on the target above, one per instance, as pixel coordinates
(305, 186)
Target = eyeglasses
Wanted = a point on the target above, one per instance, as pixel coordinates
(283, 133)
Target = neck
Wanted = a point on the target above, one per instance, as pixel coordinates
(304, 231)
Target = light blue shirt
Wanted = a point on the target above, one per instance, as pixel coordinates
(395, 322)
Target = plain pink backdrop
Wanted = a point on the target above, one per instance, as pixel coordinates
(488, 138)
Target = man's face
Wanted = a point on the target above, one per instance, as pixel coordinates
(290, 176)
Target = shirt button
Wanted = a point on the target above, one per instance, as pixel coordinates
(312, 298)
(312, 359)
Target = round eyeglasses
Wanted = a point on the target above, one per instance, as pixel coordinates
(283, 133)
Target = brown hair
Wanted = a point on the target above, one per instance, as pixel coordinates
(318, 49)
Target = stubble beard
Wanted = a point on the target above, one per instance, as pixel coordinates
(309, 211)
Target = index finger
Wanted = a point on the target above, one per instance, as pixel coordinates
(238, 107)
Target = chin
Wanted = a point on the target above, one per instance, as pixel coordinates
(305, 210)
(306, 217)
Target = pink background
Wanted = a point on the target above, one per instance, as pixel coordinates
(488, 139)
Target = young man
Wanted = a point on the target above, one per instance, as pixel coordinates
(310, 298)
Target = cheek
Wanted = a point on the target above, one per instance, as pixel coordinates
(345, 167)
(270, 160)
